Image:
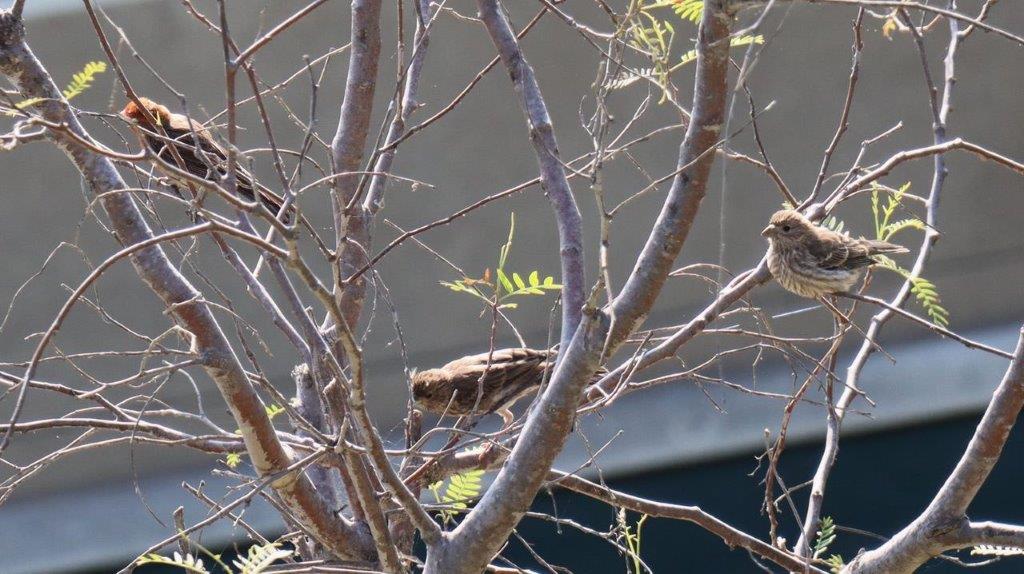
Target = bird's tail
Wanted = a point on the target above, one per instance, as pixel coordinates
(875, 247)
(269, 199)
(273, 202)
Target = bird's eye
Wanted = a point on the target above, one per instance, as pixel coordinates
(785, 228)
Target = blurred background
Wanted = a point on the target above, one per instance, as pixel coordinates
(678, 442)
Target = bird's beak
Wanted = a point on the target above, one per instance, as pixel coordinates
(767, 231)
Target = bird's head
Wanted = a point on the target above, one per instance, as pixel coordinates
(429, 389)
(787, 226)
(133, 112)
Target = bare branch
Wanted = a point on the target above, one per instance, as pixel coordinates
(268, 455)
(906, 4)
(844, 116)
(407, 104)
(688, 187)
(731, 536)
(943, 525)
(970, 344)
(276, 31)
(940, 112)
(481, 534)
(552, 175)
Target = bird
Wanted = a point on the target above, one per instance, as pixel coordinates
(180, 128)
(500, 378)
(812, 261)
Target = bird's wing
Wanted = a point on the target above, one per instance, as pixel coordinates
(502, 356)
(182, 125)
(245, 182)
(177, 129)
(507, 368)
(837, 251)
(828, 249)
(860, 252)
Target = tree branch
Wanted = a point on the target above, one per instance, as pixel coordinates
(670, 231)
(552, 175)
(905, 4)
(981, 533)
(940, 113)
(407, 104)
(943, 525)
(478, 538)
(731, 536)
(350, 221)
(268, 454)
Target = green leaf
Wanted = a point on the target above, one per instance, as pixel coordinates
(453, 286)
(897, 226)
(461, 488)
(260, 557)
(826, 535)
(691, 10)
(627, 78)
(894, 201)
(928, 296)
(187, 562)
(653, 37)
(505, 281)
(83, 80)
(989, 550)
(744, 40)
(233, 459)
(874, 209)
(631, 538)
(80, 82)
(833, 223)
(508, 283)
(520, 284)
(465, 286)
(926, 293)
(885, 228)
(503, 252)
(274, 410)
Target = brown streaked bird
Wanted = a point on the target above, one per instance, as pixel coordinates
(511, 375)
(812, 261)
(180, 128)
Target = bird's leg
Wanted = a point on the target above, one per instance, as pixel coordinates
(507, 419)
(828, 302)
(177, 190)
(197, 202)
(192, 211)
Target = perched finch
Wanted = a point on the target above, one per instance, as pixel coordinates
(812, 261)
(511, 374)
(181, 129)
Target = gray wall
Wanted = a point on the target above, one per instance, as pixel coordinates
(482, 148)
